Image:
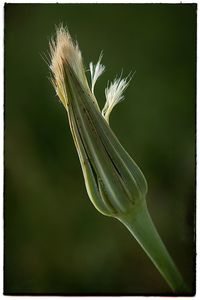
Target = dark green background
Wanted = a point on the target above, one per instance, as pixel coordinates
(55, 240)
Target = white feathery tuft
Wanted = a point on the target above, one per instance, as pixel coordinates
(65, 53)
(96, 71)
(114, 94)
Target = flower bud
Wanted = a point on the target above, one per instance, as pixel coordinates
(114, 182)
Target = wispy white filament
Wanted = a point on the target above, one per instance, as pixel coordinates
(96, 71)
(64, 53)
(65, 56)
(114, 94)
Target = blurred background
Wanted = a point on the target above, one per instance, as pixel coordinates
(56, 242)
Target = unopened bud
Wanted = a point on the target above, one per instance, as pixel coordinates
(114, 182)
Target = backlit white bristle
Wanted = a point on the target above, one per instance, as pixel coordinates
(96, 71)
(64, 52)
(65, 56)
(114, 94)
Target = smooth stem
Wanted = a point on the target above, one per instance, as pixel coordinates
(142, 228)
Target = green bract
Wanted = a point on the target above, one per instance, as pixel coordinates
(114, 182)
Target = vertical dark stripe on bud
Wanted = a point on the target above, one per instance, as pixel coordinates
(119, 182)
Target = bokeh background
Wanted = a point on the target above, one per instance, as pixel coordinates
(56, 242)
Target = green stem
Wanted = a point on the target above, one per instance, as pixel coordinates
(142, 228)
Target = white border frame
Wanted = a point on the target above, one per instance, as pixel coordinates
(197, 296)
